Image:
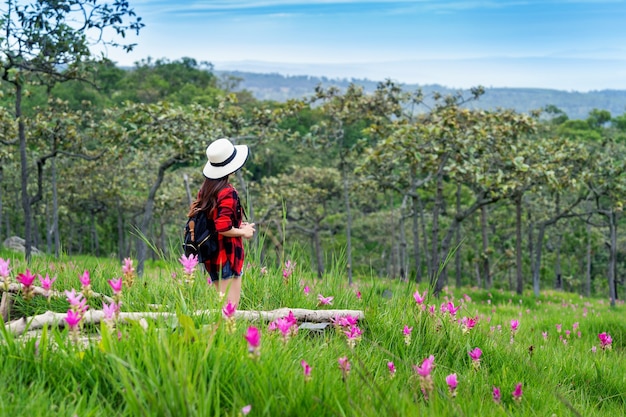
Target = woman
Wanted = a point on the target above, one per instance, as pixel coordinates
(221, 202)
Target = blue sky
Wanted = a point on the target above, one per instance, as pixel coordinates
(562, 44)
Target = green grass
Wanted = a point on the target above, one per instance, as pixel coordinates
(195, 366)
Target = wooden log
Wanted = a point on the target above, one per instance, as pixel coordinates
(16, 288)
(50, 318)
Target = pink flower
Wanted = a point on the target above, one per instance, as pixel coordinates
(344, 365)
(246, 410)
(558, 328)
(189, 263)
(4, 268)
(545, 335)
(85, 280)
(407, 330)
(127, 268)
(288, 270)
(605, 340)
(228, 310)
(74, 298)
(358, 294)
(496, 394)
(514, 325)
(452, 309)
(419, 298)
(324, 300)
(46, 283)
(26, 279)
(426, 367)
(253, 336)
(73, 319)
(392, 368)
(263, 270)
(353, 334)
(468, 323)
(345, 321)
(452, 382)
(116, 285)
(475, 354)
(306, 368)
(517, 393)
(109, 311)
(307, 290)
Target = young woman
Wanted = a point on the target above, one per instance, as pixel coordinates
(221, 202)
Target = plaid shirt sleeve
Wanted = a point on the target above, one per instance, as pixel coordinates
(227, 215)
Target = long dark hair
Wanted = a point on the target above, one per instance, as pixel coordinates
(207, 196)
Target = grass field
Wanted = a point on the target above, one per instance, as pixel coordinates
(468, 352)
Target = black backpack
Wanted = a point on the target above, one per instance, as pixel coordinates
(200, 237)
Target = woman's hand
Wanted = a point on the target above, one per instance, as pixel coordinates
(247, 229)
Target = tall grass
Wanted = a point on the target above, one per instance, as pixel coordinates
(197, 365)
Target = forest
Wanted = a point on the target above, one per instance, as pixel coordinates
(101, 160)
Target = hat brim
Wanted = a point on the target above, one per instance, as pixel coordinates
(214, 172)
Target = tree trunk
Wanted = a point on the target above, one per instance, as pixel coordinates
(457, 255)
(424, 237)
(588, 269)
(518, 243)
(417, 256)
(144, 227)
(1, 206)
(24, 172)
(434, 258)
(55, 209)
(120, 230)
(402, 258)
(346, 197)
(537, 263)
(612, 256)
(484, 257)
(319, 254)
(558, 278)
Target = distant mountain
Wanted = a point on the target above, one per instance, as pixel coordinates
(577, 105)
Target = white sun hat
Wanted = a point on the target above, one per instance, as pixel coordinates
(224, 158)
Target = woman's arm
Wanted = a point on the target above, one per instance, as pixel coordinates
(246, 231)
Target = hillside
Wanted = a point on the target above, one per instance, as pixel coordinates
(277, 87)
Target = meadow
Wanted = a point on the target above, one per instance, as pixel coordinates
(467, 352)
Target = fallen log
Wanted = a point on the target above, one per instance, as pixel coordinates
(50, 318)
(15, 288)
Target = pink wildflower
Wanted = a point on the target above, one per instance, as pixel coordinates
(606, 340)
(558, 328)
(46, 283)
(353, 334)
(189, 263)
(514, 325)
(116, 285)
(344, 365)
(467, 324)
(452, 382)
(407, 334)
(545, 335)
(306, 368)
(451, 308)
(496, 394)
(517, 393)
(85, 280)
(392, 368)
(324, 300)
(358, 295)
(426, 367)
(253, 336)
(419, 298)
(307, 290)
(73, 319)
(228, 310)
(26, 279)
(110, 311)
(246, 410)
(4, 268)
(475, 354)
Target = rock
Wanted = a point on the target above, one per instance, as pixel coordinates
(17, 244)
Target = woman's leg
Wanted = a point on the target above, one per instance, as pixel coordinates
(231, 288)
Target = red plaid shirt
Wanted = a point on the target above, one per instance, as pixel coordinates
(228, 214)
